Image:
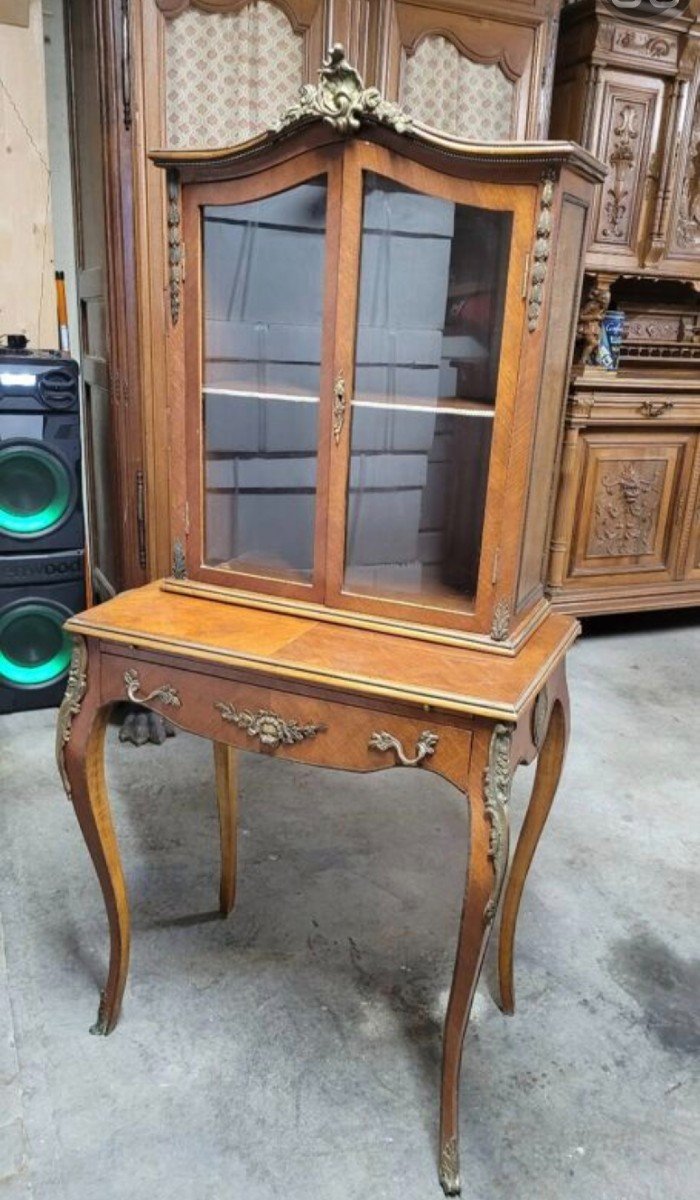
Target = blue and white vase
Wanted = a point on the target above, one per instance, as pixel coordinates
(611, 331)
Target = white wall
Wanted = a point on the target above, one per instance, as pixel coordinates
(59, 158)
(27, 291)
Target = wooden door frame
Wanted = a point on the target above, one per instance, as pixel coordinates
(363, 156)
(122, 330)
(186, 398)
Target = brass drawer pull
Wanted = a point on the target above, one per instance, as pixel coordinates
(425, 746)
(167, 694)
(651, 409)
(271, 729)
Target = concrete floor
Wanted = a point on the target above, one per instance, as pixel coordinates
(293, 1051)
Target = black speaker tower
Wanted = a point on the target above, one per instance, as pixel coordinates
(41, 524)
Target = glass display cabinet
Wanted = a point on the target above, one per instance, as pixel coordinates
(371, 327)
(369, 349)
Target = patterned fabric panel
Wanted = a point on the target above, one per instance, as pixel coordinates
(446, 90)
(229, 75)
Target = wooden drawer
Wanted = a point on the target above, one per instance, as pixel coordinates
(309, 729)
(645, 407)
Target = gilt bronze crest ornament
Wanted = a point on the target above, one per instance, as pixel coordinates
(341, 99)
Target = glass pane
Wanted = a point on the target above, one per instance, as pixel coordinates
(263, 301)
(432, 293)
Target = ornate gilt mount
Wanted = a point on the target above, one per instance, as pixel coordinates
(339, 403)
(70, 706)
(167, 694)
(425, 747)
(497, 782)
(268, 727)
(500, 626)
(542, 250)
(341, 99)
(540, 712)
(175, 247)
(449, 1168)
(179, 565)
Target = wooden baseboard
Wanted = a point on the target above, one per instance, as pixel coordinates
(599, 601)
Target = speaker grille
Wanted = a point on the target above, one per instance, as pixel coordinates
(37, 489)
(34, 650)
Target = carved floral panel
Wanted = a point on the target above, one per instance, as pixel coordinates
(229, 75)
(643, 44)
(688, 224)
(626, 508)
(443, 88)
(623, 154)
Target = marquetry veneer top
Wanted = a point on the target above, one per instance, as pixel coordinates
(277, 646)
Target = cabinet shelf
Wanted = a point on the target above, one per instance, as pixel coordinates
(452, 406)
(447, 406)
(238, 394)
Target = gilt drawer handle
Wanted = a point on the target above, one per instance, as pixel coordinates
(650, 409)
(167, 694)
(425, 747)
(270, 729)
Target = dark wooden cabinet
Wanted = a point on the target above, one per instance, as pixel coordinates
(626, 523)
(627, 88)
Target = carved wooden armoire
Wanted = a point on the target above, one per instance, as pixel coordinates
(627, 530)
(196, 74)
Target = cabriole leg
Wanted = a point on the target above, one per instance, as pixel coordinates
(488, 791)
(226, 767)
(80, 739)
(547, 775)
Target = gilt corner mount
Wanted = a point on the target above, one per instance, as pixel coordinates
(341, 99)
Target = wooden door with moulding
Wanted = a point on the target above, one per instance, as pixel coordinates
(208, 73)
(100, 119)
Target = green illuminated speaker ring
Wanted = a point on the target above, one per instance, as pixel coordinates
(38, 490)
(34, 650)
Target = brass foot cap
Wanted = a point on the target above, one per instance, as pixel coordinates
(449, 1168)
(101, 1026)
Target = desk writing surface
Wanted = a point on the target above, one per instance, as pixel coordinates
(452, 678)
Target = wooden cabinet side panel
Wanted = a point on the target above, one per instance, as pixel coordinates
(690, 543)
(548, 426)
(683, 241)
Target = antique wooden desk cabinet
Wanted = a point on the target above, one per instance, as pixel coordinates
(368, 361)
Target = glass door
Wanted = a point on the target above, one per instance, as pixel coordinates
(435, 273)
(263, 271)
